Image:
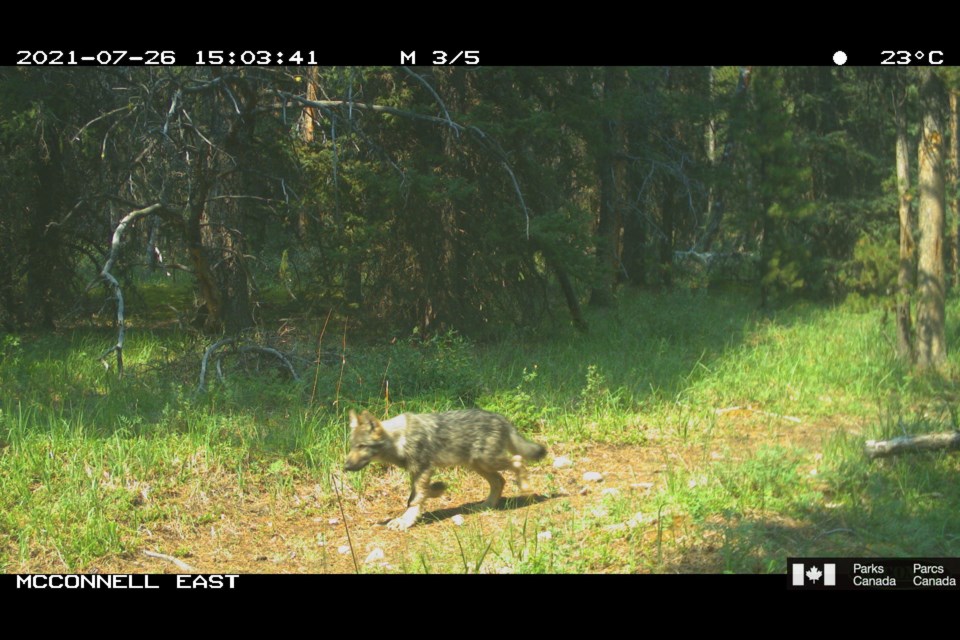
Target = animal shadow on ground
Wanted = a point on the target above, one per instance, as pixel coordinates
(505, 504)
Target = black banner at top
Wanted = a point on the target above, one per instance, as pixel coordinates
(471, 52)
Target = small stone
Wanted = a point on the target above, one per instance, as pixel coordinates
(635, 521)
(642, 485)
(457, 520)
(343, 549)
(333, 521)
(544, 535)
(619, 526)
(562, 462)
(593, 476)
(599, 512)
(610, 491)
(376, 554)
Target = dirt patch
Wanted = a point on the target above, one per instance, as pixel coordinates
(223, 530)
(304, 528)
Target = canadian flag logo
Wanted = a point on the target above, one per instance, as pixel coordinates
(812, 574)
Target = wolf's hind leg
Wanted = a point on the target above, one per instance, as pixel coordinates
(496, 486)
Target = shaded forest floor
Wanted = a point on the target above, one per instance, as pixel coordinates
(727, 441)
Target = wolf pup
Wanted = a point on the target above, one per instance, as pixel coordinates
(479, 440)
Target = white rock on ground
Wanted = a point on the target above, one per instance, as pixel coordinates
(562, 462)
(593, 476)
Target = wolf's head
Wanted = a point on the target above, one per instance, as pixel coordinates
(367, 439)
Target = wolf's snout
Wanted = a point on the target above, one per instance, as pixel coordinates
(354, 464)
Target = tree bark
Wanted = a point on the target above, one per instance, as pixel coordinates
(931, 333)
(953, 179)
(307, 135)
(907, 270)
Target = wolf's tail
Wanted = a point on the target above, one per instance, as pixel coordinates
(527, 449)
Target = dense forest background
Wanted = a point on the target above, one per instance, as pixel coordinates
(472, 199)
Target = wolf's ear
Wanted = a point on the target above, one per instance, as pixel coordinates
(354, 422)
(368, 418)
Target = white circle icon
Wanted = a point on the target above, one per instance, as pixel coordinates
(840, 58)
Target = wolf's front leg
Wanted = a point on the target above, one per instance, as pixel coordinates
(421, 489)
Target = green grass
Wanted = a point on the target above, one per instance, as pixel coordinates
(91, 466)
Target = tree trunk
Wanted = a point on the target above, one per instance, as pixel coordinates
(634, 242)
(46, 277)
(907, 271)
(209, 315)
(717, 203)
(931, 338)
(307, 135)
(952, 182)
(664, 205)
(570, 295)
(610, 168)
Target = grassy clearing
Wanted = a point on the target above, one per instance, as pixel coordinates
(94, 469)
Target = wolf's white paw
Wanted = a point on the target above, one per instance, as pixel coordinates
(399, 524)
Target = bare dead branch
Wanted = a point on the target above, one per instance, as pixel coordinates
(97, 119)
(112, 282)
(272, 352)
(205, 361)
(236, 106)
(170, 112)
(180, 563)
(913, 444)
(201, 387)
(436, 97)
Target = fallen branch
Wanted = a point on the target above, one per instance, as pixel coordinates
(913, 444)
(205, 362)
(276, 354)
(180, 563)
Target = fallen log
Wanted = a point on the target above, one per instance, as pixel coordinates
(913, 444)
